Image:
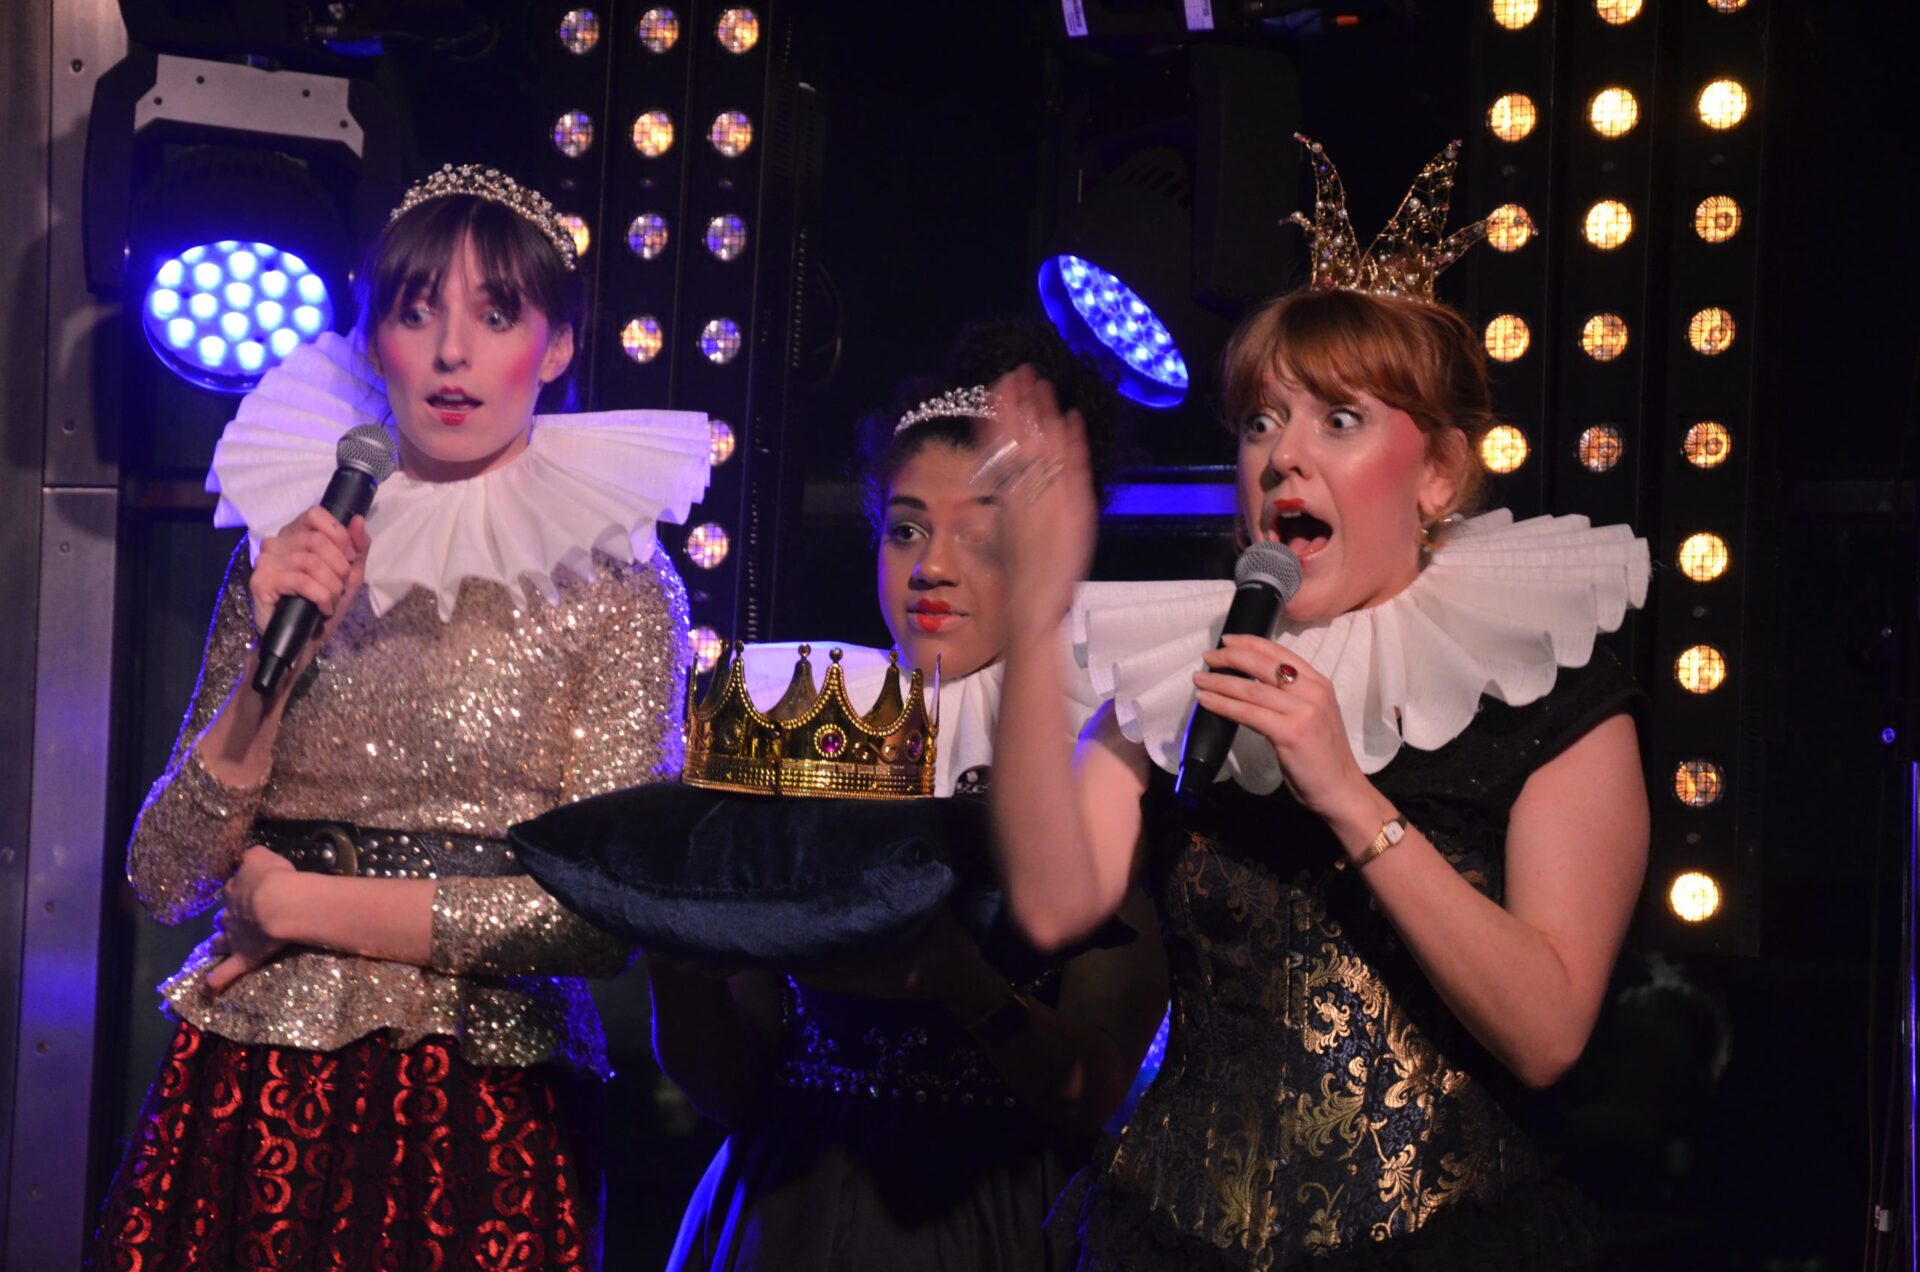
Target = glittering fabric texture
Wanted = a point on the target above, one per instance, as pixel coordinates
(273, 1158)
(406, 722)
(1318, 1102)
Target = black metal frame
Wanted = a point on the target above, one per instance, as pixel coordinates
(1730, 612)
(1655, 280)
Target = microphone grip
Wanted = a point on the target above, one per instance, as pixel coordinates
(295, 618)
(1209, 737)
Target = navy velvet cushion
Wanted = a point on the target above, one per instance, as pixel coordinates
(754, 881)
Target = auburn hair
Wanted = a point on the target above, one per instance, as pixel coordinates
(1416, 357)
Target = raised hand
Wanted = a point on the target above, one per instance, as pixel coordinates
(1035, 465)
(940, 955)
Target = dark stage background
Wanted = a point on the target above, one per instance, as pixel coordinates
(1739, 1108)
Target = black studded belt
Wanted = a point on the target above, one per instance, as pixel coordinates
(344, 849)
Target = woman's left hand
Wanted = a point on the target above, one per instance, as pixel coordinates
(942, 951)
(257, 896)
(1300, 717)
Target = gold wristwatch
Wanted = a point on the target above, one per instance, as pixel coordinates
(1391, 832)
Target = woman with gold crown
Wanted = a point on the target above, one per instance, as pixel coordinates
(1395, 912)
(382, 1059)
(920, 1110)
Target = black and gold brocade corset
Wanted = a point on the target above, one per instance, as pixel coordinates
(1316, 1094)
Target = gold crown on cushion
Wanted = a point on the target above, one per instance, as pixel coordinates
(495, 187)
(1408, 254)
(811, 742)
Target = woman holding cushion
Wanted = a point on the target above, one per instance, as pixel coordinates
(1396, 911)
(920, 1111)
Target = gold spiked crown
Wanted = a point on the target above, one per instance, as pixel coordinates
(810, 742)
(1408, 254)
(495, 187)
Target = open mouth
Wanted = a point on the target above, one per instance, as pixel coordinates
(1300, 530)
(452, 405)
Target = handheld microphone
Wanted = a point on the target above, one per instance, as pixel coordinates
(1266, 576)
(365, 458)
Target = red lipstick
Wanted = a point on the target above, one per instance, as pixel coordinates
(451, 405)
(932, 616)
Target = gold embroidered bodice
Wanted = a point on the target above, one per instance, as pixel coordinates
(1316, 1094)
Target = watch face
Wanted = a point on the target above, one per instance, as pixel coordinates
(1394, 830)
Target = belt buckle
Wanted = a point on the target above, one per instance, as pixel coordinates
(346, 854)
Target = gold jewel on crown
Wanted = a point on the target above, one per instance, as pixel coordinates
(974, 403)
(495, 187)
(1408, 254)
(809, 743)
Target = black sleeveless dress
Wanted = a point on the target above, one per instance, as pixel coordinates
(890, 1141)
(1319, 1106)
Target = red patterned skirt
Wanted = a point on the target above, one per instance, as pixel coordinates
(365, 1158)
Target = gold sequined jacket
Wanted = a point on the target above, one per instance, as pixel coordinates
(406, 722)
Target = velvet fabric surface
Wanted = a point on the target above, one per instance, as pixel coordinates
(749, 880)
(758, 881)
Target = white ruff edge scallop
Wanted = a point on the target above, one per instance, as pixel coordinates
(586, 483)
(1497, 612)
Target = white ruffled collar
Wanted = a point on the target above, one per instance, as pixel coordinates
(1498, 611)
(585, 483)
(969, 706)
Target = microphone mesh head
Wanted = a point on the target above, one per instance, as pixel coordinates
(1271, 563)
(369, 448)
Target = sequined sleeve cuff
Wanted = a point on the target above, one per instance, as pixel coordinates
(188, 839)
(512, 927)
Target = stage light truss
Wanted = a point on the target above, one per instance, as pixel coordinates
(1706, 620)
(693, 95)
(1618, 330)
(1508, 173)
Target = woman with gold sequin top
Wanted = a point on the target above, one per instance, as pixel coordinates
(381, 1059)
(921, 1111)
(1396, 911)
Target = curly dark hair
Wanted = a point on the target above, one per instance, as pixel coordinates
(984, 352)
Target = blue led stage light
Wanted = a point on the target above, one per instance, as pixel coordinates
(220, 314)
(1098, 314)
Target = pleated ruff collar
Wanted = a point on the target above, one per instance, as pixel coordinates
(594, 482)
(1497, 611)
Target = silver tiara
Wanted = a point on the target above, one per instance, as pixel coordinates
(495, 187)
(975, 403)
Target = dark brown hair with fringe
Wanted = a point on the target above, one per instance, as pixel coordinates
(518, 265)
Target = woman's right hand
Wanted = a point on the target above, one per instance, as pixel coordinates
(315, 557)
(249, 925)
(1035, 465)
